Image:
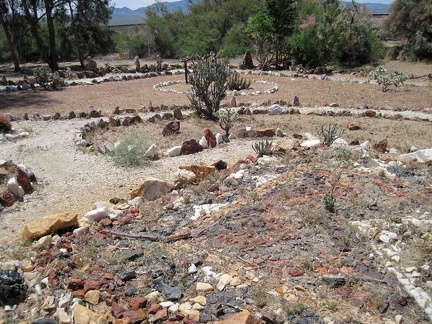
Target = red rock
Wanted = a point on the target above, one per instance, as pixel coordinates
(296, 273)
(250, 159)
(190, 147)
(134, 210)
(188, 320)
(135, 316)
(24, 181)
(7, 199)
(91, 285)
(161, 315)
(117, 311)
(268, 132)
(381, 146)
(171, 128)
(211, 139)
(75, 284)
(214, 187)
(137, 302)
(370, 113)
(53, 281)
(298, 136)
(79, 293)
(154, 308)
(244, 317)
(345, 271)
(352, 126)
(105, 222)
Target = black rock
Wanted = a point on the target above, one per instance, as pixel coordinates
(334, 281)
(171, 292)
(45, 321)
(127, 275)
(12, 288)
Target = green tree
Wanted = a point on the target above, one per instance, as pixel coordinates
(411, 21)
(6, 24)
(271, 27)
(209, 85)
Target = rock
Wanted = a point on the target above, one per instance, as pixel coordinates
(200, 171)
(185, 176)
(92, 296)
(190, 147)
(202, 286)
(268, 132)
(161, 315)
(210, 138)
(296, 101)
(311, 143)
(233, 102)
(178, 113)
(334, 281)
(244, 317)
(223, 281)
(381, 146)
(7, 199)
(151, 152)
(248, 61)
(203, 142)
(199, 300)
(90, 64)
(365, 146)
(12, 288)
(279, 132)
(61, 316)
(15, 188)
(352, 126)
(370, 113)
(388, 237)
(49, 224)
(275, 110)
(97, 214)
(422, 156)
(83, 315)
(220, 139)
(24, 180)
(170, 292)
(241, 133)
(152, 189)
(174, 151)
(171, 128)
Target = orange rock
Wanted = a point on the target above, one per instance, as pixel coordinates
(244, 317)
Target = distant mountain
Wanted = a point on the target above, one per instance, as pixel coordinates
(126, 16)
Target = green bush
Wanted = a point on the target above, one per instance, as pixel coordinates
(209, 85)
(227, 117)
(130, 151)
(263, 147)
(385, 79)
(329, 133)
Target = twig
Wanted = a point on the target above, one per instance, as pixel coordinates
(151, 237)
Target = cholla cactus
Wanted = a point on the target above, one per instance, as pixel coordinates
(386, 80)
(263, 147)
(227, 117)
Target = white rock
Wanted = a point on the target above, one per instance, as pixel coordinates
(279, 132)
(174, 308)
(223, 281)
(43, 243)
(81, 231)
(365, 146)
(421, 156)
(339, 142)
(410, 269)
(135, 202)
(387, 236)
(62, 316)
(192, 268)
(174, 151)
(275, 110)
(311, 143)
(311, 137)
(97, 214)
(151, 152)
(219, 138)
(203, 142)
(153, 296)
(15, 188)
(166, 304)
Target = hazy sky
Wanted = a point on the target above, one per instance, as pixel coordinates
(135, 4)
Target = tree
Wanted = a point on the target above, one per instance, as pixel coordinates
(209, 85)
(411, 21)
(6, 24)
(270, 27)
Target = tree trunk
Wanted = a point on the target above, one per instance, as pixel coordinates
(52, 56)
(10, 43)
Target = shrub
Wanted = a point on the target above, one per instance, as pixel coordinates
(263, 147)
(329, 133)
(237, 82)
(5, 124)
(385, 80)
(209, 85)
(130, 151)
(47, 79)
(330, 202)
(227, 117)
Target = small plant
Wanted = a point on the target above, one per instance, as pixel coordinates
(46, 79)
(237, 82)
(130, 151)
(329, 133)
(260, 296)
(385, 80)
(263, 147)
(227, 117)
(330, 201)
